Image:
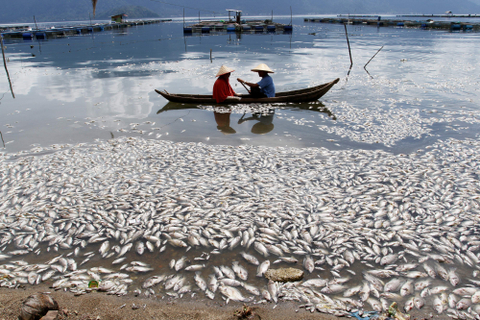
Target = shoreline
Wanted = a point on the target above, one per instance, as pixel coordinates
(97, 305)
(101, 306)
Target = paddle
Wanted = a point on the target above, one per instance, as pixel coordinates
(245, 87)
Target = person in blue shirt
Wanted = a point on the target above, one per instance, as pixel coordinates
(263, 88)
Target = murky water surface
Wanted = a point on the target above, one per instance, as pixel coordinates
(380, 173)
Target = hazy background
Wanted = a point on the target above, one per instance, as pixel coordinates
(67, 10)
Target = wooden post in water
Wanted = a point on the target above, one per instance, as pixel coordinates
(348, 43)
(291, 16)
(1, 135)
(365, 66)
(35, 20)
(6, 69)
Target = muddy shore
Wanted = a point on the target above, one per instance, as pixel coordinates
(101, 306)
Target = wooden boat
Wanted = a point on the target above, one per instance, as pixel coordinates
(302, 95)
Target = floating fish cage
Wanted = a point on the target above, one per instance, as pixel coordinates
(40, 35)
(27, 33)
(257, 26)
(456, 27)
(429, 24)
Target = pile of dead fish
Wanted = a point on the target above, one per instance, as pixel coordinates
(169, 219)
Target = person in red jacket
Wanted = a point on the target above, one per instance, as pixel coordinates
(222, 89)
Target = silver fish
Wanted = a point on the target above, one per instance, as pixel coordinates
(407, 288)
(232, 293)
(251, 259)
(201, 283)
(309, 264)
(453, 277)
(262, 268)
(273, 289)
(240, 271)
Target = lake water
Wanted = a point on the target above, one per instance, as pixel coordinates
(380, 172)
(421, 86)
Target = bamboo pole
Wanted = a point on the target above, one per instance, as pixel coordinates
(5, 65)
(365, 66)
(35, 20)
(291, 16)
(1, 135)
(348, 43)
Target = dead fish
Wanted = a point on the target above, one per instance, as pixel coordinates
(212, 283)
(201, 283)
(140, 247)
(240, 271)
(230, 282)
(139, 269)
(388, 259)
(393, 285)
(273, 289)
(318, 283)
(104, 248)
(180, 263)
(229, 273)
(409, 304)
(260, 248)
(152, 281)
(430, 270)
(195, 267)
(375, 304)
(438, 305)
(309, 264)
(406, 267)
(419, 302)
(262, 268)
(442, 272)
(422, 284)
(252, 289)
(476, 297)
(364, 293)
(251, 259)
(463, 304)
(453, 277)
(452, 300)
(407, 288)
(232, 293)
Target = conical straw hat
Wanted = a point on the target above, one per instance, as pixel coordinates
(223, 70)
(263, 67)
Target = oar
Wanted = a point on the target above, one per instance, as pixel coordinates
(245, 87)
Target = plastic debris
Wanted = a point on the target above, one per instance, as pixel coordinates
(396, 314)
(365, 315)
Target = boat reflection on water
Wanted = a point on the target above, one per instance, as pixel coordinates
(261, 113)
